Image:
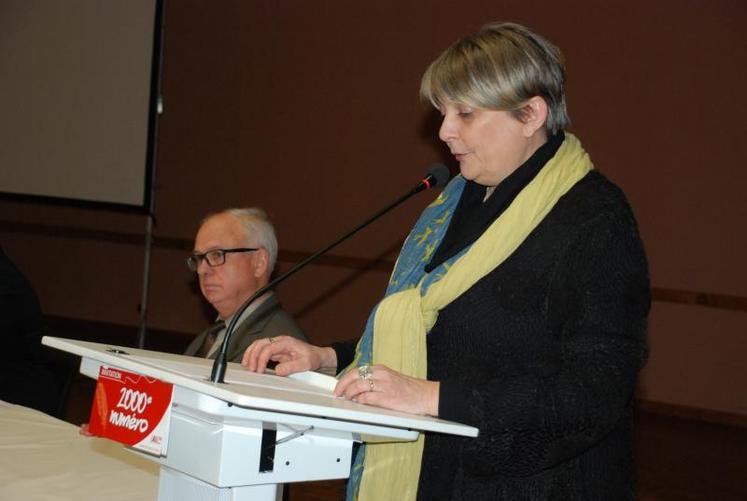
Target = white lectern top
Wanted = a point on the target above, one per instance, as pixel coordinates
(262, 392)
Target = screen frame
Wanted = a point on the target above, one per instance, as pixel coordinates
(154, 110)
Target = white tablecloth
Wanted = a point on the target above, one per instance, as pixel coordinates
(43, 458)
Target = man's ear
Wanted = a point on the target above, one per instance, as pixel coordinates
(534, 115)
(262, 262)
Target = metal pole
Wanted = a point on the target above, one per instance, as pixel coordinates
(146, 282)
(155, 112)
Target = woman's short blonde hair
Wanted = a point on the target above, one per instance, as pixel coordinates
(501, 67)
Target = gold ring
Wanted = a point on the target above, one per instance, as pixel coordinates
(365, 372)
(271, 339)
(370, 384)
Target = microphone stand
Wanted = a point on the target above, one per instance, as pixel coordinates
(437, 176)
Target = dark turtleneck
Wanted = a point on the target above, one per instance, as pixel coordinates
(473, 215)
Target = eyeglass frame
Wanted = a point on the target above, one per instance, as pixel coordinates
(193, 261)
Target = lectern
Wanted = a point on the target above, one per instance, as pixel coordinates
(243, 439)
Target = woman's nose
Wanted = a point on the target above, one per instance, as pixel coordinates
(447, 130)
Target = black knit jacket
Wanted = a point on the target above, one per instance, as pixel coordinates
(542, 355)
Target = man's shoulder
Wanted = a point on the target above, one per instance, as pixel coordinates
(285, 322)
(271, 319)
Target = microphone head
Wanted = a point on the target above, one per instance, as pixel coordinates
(438, 175)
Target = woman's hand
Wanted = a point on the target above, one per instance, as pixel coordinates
(291, 354)
(381, 386)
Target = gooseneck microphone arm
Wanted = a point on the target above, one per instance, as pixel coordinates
(437, 175)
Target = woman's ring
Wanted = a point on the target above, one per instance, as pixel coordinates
(365, 372)
(271, 339)
(370, 384)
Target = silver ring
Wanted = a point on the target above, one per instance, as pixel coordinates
(365, 372)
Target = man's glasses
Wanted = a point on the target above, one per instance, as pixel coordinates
(215, 257)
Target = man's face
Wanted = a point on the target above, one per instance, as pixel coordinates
(227, 286)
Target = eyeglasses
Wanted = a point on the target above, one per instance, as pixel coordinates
(215, 257)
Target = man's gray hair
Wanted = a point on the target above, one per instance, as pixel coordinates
(259, 231)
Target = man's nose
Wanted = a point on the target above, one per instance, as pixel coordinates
(203, 267)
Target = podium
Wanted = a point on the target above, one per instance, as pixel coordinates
(243, 439)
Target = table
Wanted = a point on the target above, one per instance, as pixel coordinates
(42, 457)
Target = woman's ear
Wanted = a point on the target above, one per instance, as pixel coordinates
(534, 115)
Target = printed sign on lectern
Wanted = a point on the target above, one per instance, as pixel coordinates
(132, 409)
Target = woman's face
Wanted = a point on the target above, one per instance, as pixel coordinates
(488, 144)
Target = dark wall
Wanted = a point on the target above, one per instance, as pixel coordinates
(310, 110)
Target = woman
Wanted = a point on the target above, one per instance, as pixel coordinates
(518, 303)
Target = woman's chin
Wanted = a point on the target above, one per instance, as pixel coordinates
(467, 173)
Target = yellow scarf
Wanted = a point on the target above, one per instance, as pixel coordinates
(392, 470)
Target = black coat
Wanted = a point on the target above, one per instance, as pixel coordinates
(542, 355)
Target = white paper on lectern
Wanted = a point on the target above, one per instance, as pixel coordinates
(250, 390)
(316, 379)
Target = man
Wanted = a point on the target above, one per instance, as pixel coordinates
(234, 255)
(25, 378)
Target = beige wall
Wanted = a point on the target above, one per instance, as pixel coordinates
(310, 110)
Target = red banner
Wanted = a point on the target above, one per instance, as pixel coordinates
(132, 409)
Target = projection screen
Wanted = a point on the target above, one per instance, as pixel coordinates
(78, 98)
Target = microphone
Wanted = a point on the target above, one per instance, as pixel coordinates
(437, 175)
